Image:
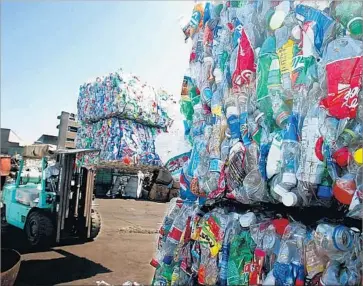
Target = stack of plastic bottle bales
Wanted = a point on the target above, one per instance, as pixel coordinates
(121, 116)
(272, 191)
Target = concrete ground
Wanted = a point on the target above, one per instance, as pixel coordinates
(122, 251)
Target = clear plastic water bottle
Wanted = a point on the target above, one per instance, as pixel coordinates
(211, 182)
(242, 98)
(203, 165)
(221, 43)
(265, 143)
(252, 155)
(330, 164)
(280, 110)
(176, 232)
(331, 274)
(172, 212)
(289, 267)
(351, 133)
(225, 146)
(273, 165)
(333, 241)
(328, 127)
(282, 193)
(311, 168)
(290, 150)
(215, 141)
(254, 129)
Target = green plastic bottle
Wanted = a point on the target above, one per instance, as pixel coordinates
(349, 14)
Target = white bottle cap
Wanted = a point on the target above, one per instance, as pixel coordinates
(280, 190)
(247, 219)
(277, 19)
(289, 179)
(289, 199)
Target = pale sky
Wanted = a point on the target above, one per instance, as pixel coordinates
(48, 49)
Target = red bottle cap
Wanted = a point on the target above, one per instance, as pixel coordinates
(154, 263)
(341, 156)
(280, 225)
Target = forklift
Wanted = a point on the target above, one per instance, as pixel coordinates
(52, 197)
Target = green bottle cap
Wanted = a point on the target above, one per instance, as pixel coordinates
(355, 26)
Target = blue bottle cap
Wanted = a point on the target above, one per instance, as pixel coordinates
(324, 192)
(168, 259)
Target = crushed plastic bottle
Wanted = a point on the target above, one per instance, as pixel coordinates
(333, 241)
(289, 267)
(310, 167)
(290, 150)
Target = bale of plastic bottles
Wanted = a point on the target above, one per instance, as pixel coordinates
(119, 140)
(122, 95)
(121, 116)
(273, 109)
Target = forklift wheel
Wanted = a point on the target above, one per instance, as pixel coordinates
(39, 230)
(95, 223)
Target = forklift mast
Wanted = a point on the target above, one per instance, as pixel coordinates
(74, 194)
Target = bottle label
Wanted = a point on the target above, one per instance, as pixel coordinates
(233, 123)
(344, 79)
(245, 67)
(175, 234)
(211, 235)
(285, 54)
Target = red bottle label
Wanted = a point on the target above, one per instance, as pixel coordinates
(175, 234)
(245, 67)
(344, 78)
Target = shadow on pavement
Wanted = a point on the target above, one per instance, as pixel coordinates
(58, 270)
(14, 238)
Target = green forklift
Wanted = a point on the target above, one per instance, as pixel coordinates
(51, 198)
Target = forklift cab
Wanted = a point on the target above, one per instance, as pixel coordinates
(52, 197)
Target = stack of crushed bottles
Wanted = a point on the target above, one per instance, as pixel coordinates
(272, 191)
(120, 116)
(122, 95)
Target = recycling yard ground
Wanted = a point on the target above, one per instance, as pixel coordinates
(121, 252)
